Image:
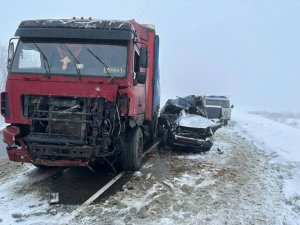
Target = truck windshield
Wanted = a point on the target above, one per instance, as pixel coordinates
(222, 103)
(70, 59)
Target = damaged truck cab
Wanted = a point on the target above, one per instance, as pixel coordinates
(81, 91)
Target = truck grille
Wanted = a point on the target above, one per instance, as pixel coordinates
(214, 113)
(57, 115)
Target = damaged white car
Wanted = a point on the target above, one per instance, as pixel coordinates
(183, 122)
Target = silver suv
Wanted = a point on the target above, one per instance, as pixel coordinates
(218, 107)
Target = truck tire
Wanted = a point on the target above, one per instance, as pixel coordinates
(133, 152)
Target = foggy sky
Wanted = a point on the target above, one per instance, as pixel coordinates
(248, 50)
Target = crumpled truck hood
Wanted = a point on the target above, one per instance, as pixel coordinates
(193, 121)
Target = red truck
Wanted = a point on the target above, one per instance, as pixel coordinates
(81, 91)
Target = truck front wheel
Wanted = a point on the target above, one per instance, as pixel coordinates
(133, 152)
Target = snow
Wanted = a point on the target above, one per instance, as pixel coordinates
(271, 135)
(195, 121)
(288, 118)
(24, 199)
(2, 123)
(19, 204)
(280, 142)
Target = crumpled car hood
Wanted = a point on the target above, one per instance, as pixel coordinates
(193, 121)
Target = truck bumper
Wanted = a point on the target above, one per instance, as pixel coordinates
(18, 152)
(15, 153)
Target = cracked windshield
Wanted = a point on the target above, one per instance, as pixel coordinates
(71, 59)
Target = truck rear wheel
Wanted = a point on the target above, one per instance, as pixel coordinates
(133, 154)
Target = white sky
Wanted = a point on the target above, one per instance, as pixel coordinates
(249, 50)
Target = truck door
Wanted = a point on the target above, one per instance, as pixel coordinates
(139, 89)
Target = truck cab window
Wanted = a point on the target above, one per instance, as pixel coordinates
(30, 59)
(71, 58)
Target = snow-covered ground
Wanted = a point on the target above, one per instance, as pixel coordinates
(21, 201)
(250, 176)
(291, 119)
(280, 141)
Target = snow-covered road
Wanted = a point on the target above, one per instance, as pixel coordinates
(250, 176)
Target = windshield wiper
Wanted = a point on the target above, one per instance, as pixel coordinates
(103, 63)
(45, 61)
(76, 62)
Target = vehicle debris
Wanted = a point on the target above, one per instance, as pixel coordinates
(183, 122)
(148, 176)
(137, 174)
(53, 198)
(220, 151)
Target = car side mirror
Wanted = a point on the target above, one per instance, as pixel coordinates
(10, 56)
(141, 77)
(232, 106)
(144, 57)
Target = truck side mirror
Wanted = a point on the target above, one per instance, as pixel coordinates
(10, 56)
(232, 106)
(141, 77)
(144, 57)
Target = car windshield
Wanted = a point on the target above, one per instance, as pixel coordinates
(222, 103)
(84, 59)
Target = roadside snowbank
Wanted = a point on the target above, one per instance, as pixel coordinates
(280, 142)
